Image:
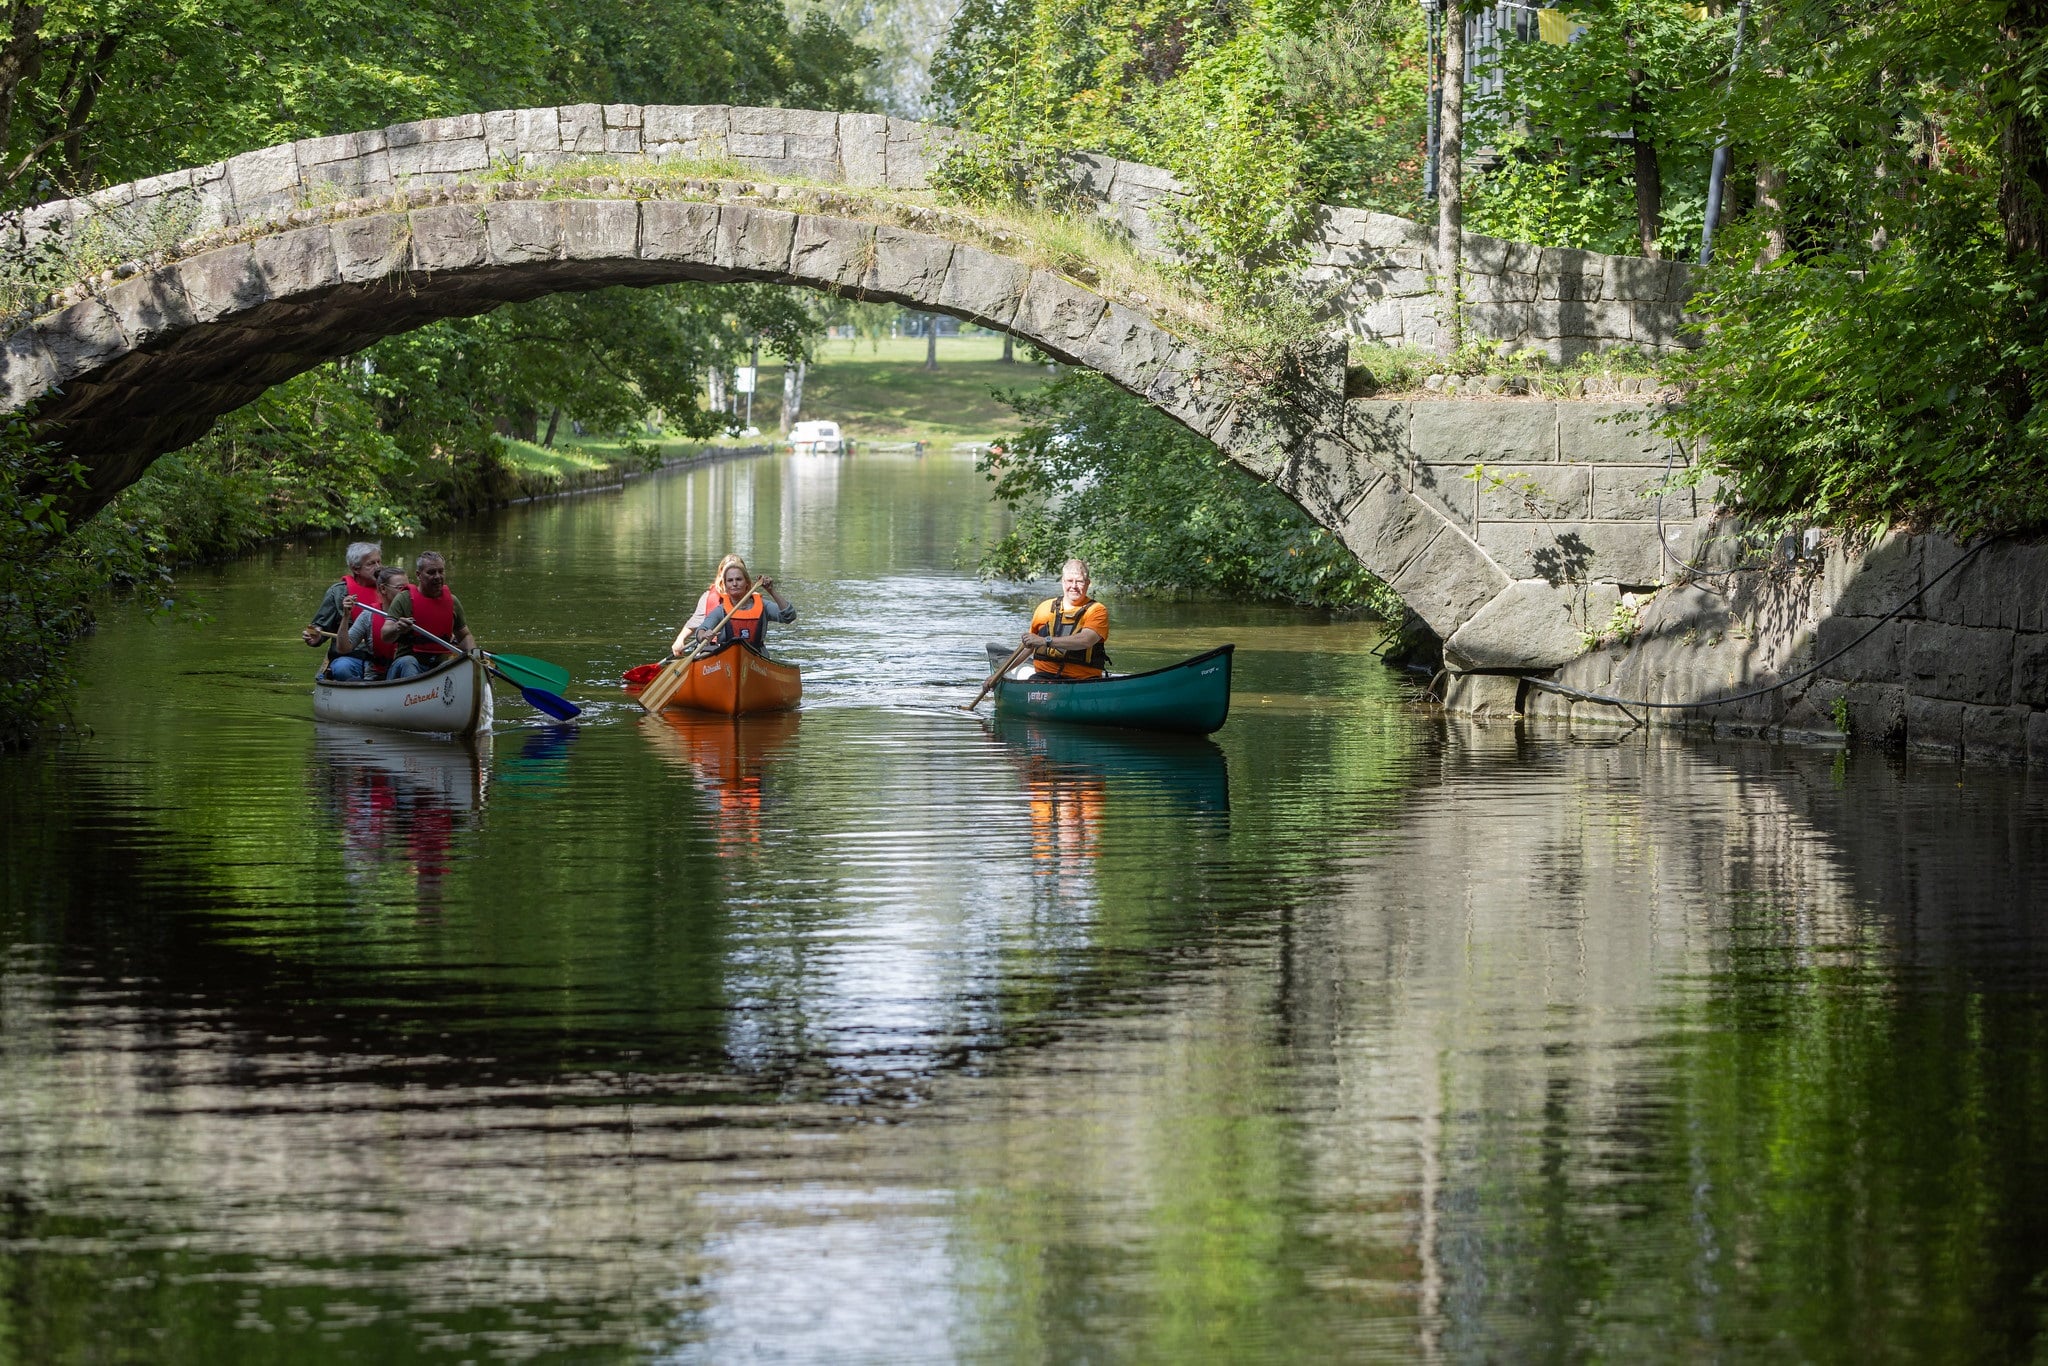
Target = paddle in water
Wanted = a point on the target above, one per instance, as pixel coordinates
(1015, 658)
(540, 699)
(526, 669)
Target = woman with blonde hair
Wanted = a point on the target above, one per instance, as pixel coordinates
(732, 610)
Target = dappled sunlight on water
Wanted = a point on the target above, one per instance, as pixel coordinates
(885, 1031)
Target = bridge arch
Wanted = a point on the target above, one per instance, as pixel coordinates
(313, 250)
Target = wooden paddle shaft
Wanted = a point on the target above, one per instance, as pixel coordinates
(991, 680)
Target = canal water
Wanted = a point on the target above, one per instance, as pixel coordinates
(879, 1032)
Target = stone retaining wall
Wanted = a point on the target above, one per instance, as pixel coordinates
(1378, 268)
(1962, 671)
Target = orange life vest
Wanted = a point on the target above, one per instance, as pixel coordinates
(1056, 622)
(747, 624)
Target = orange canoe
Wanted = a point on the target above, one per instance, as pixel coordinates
(735, 681)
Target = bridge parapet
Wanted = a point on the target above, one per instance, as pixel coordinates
(1379, 269)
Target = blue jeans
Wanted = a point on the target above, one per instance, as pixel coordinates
(406, 666)
(348, 669)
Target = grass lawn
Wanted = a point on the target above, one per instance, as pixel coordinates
(880, 391)
(875, 391)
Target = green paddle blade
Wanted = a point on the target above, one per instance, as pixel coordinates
(537, 673)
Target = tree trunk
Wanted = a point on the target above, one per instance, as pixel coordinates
(1450, 192)
(1009, 352)
(554, 421)
(21, 60)
(1770, 206)
(931, 341)
(2022, 150)
(1649, 177)
(792, 394)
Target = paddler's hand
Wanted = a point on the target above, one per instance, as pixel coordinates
(311, 635)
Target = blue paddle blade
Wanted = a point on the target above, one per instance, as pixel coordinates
(561, 708)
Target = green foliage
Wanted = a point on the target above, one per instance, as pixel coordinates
(1154, 508)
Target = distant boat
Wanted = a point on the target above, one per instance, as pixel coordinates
(453, 698)
(816, 438)
(1192, 697)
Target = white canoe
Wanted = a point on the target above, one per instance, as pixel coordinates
(453, 699)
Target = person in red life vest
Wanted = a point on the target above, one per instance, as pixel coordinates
(431, 605)
(358, 581)
(364, 653)
(729, 612)
(1069, 633)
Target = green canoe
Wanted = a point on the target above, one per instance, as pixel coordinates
(1192, 696)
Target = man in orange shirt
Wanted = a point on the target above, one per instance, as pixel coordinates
(1068, 633)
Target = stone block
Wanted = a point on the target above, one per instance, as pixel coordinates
(1449, 581)
(580, 128)
(1527, 625)
(1385, 230)
(685, 122)
(757, 146)
(1571, 276)
(1185, 391)
(1324, 475)
(1332, 226)
(1385, 527)
(311, 152)
(2030, 669)
(1995, 734)
(792, 122)
(672, 230)
(524, 230)
(1378, 430)
(501, 135)
(831, 251)
(81, 338)
(1482, 695)
(912, 155)
(1502, 289)
(599, 230)
(28, 368)
(296, 263)
(1877, 712)
(372, 248)
(1962, 663)
(1875, 660)
(1575, 552)
(1482, 255)
(622, 116)
(1456, 432)
(447, 237)
(1934, 724)
(441, 158)
(2004, 584)
(1058, 316)
(150, 307)
(1870, 580)
(221, 282)
(263, 183)
(1637, 277)
(755, 241)
(909, 266)
(1613, 433)
(984, 286)
(1525, 493)
(864, 149)
(2037, 739)
(622, 142)
(1125, 346)
(1450, 489)
(1624, 493)
(1501, 321)
(1658, 326)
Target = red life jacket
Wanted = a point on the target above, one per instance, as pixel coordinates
(747, 624)
(382, 650)
(366, 596)
(432, 614)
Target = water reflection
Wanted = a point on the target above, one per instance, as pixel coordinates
(728, 759)
(400, 802)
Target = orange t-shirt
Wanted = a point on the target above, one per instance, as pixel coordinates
(1093, 617)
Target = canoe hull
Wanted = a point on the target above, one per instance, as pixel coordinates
(1191, 697)
(453, 699)
(735, 681)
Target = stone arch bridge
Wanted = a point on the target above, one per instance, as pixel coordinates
(298, 254)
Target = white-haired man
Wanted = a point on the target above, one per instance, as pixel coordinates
(358, 581)
(1069, 633)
